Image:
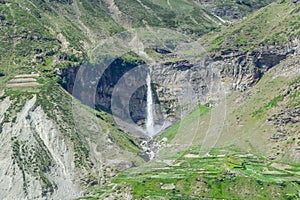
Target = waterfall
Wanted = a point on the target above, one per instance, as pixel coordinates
(149, 118)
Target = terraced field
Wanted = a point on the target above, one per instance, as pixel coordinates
(24, 80)
(221, 175)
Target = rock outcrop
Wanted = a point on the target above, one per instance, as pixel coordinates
(243, 70)
(179, 86)
(237, 10)
(39, 162)
(43, 158)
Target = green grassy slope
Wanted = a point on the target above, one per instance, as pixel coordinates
(39, 36)
(184, 16)
(232, 9)
(255, 157)
(223, 175)
(248, 121)
(53, 34)
(238, 167)
(275, 23)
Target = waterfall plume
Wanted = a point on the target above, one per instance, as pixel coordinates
(149, 117)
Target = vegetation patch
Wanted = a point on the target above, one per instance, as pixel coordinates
(271, 104)
(229, 176)
(171, 132)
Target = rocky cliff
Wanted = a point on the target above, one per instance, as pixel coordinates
(180, 85)
(233, 9)
(39, 163)
(54, 158)
(53, 147)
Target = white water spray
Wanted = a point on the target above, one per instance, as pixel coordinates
(149, 118)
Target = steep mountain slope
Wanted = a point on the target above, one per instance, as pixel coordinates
(209, 154)
(231, 9)
(279, 24)
(256, 155)
(54, 147)
(55, 32)
(55, 37)
(266, 116)
(51, 144)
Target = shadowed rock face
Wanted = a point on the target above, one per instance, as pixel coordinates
(46, 157)
(295, 1)
(246, 69)
(233, 9)
(108, 81)
(61, 1)
(179, 85)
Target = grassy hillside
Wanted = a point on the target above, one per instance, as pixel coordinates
(232, 9)
(60, 33)
(185, 16)
(247, 118)
(256, 155)
(54, 32)
(248, 162)
(223, 175)
(40, 36)
(275, 23)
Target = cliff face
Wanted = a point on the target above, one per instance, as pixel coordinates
(39, 163)
(178, 86)
(53, 149)
(243, 70)
(233, 9)
(55, 158)
(218, 74)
